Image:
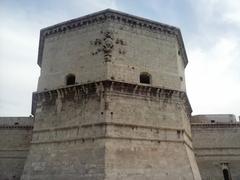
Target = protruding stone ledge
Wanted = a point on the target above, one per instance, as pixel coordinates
(124, 131)
(215, 125)
(108, 86)
(15, 127)
(93, 139)
(106, 124)
(217, 151)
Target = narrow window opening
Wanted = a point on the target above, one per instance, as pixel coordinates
(226, 174)
(179, 52)
(145, 78)
(70, 79)
(178, 134)
(225, 170)
(212, 121)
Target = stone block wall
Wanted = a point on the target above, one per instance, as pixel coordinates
(111, 130)
(214, 118)
(217, 146)
(148, 139)
(108, 46)
(70, 53)
(65, 144)
(15, 137)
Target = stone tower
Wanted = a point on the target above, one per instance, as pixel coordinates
(111, 102)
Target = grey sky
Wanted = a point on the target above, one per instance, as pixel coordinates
(210, 28)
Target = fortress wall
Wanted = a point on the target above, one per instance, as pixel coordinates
(214, 145)
(140, 50)
(142, 111)
(15, 137)
(107, 125)
(16, 121)
(214, 118)
(76, 52)
(111, 47)
(71, 52)
(139, 159)
(149, 139)
(76, 136)
(65, 144)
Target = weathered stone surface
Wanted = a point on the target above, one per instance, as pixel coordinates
(111, 130)
(111, 49)
(216, 145)
(15, 137)
(129, 116)
(213, 118)
(111, 104)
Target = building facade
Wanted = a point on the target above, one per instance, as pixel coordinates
(111, 104)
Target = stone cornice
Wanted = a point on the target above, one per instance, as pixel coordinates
(116, 16)
(109, 86)
(215, 125)
(16, 126)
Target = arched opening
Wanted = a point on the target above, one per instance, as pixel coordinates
(70, 79)
(145, 78)
(226, 174)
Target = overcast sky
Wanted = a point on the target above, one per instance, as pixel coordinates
(210, 29)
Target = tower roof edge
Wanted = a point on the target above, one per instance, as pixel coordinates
(110, 14)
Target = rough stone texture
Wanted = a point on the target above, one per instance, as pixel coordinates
(149, 139)
(216, 144)
(111, 130)
(15, 137)
(214, 118)
(111, 126)
(97, 49)
(108, 125)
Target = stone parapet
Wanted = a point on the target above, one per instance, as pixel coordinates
(214, 118)
(99, 88)
(16, 122)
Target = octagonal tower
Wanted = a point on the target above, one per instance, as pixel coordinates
(111, 102)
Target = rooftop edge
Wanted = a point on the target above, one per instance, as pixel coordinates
(109, 14)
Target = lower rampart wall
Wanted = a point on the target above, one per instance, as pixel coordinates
(15, 137)
(217, 147)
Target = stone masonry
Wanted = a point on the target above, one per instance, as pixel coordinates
(111, 104)
(217, 146)
(15, 138)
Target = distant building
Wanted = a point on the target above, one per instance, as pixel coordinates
(111, 104)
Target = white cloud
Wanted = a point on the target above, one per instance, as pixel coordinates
(212, 85)
(18, 70)
(213, 72)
